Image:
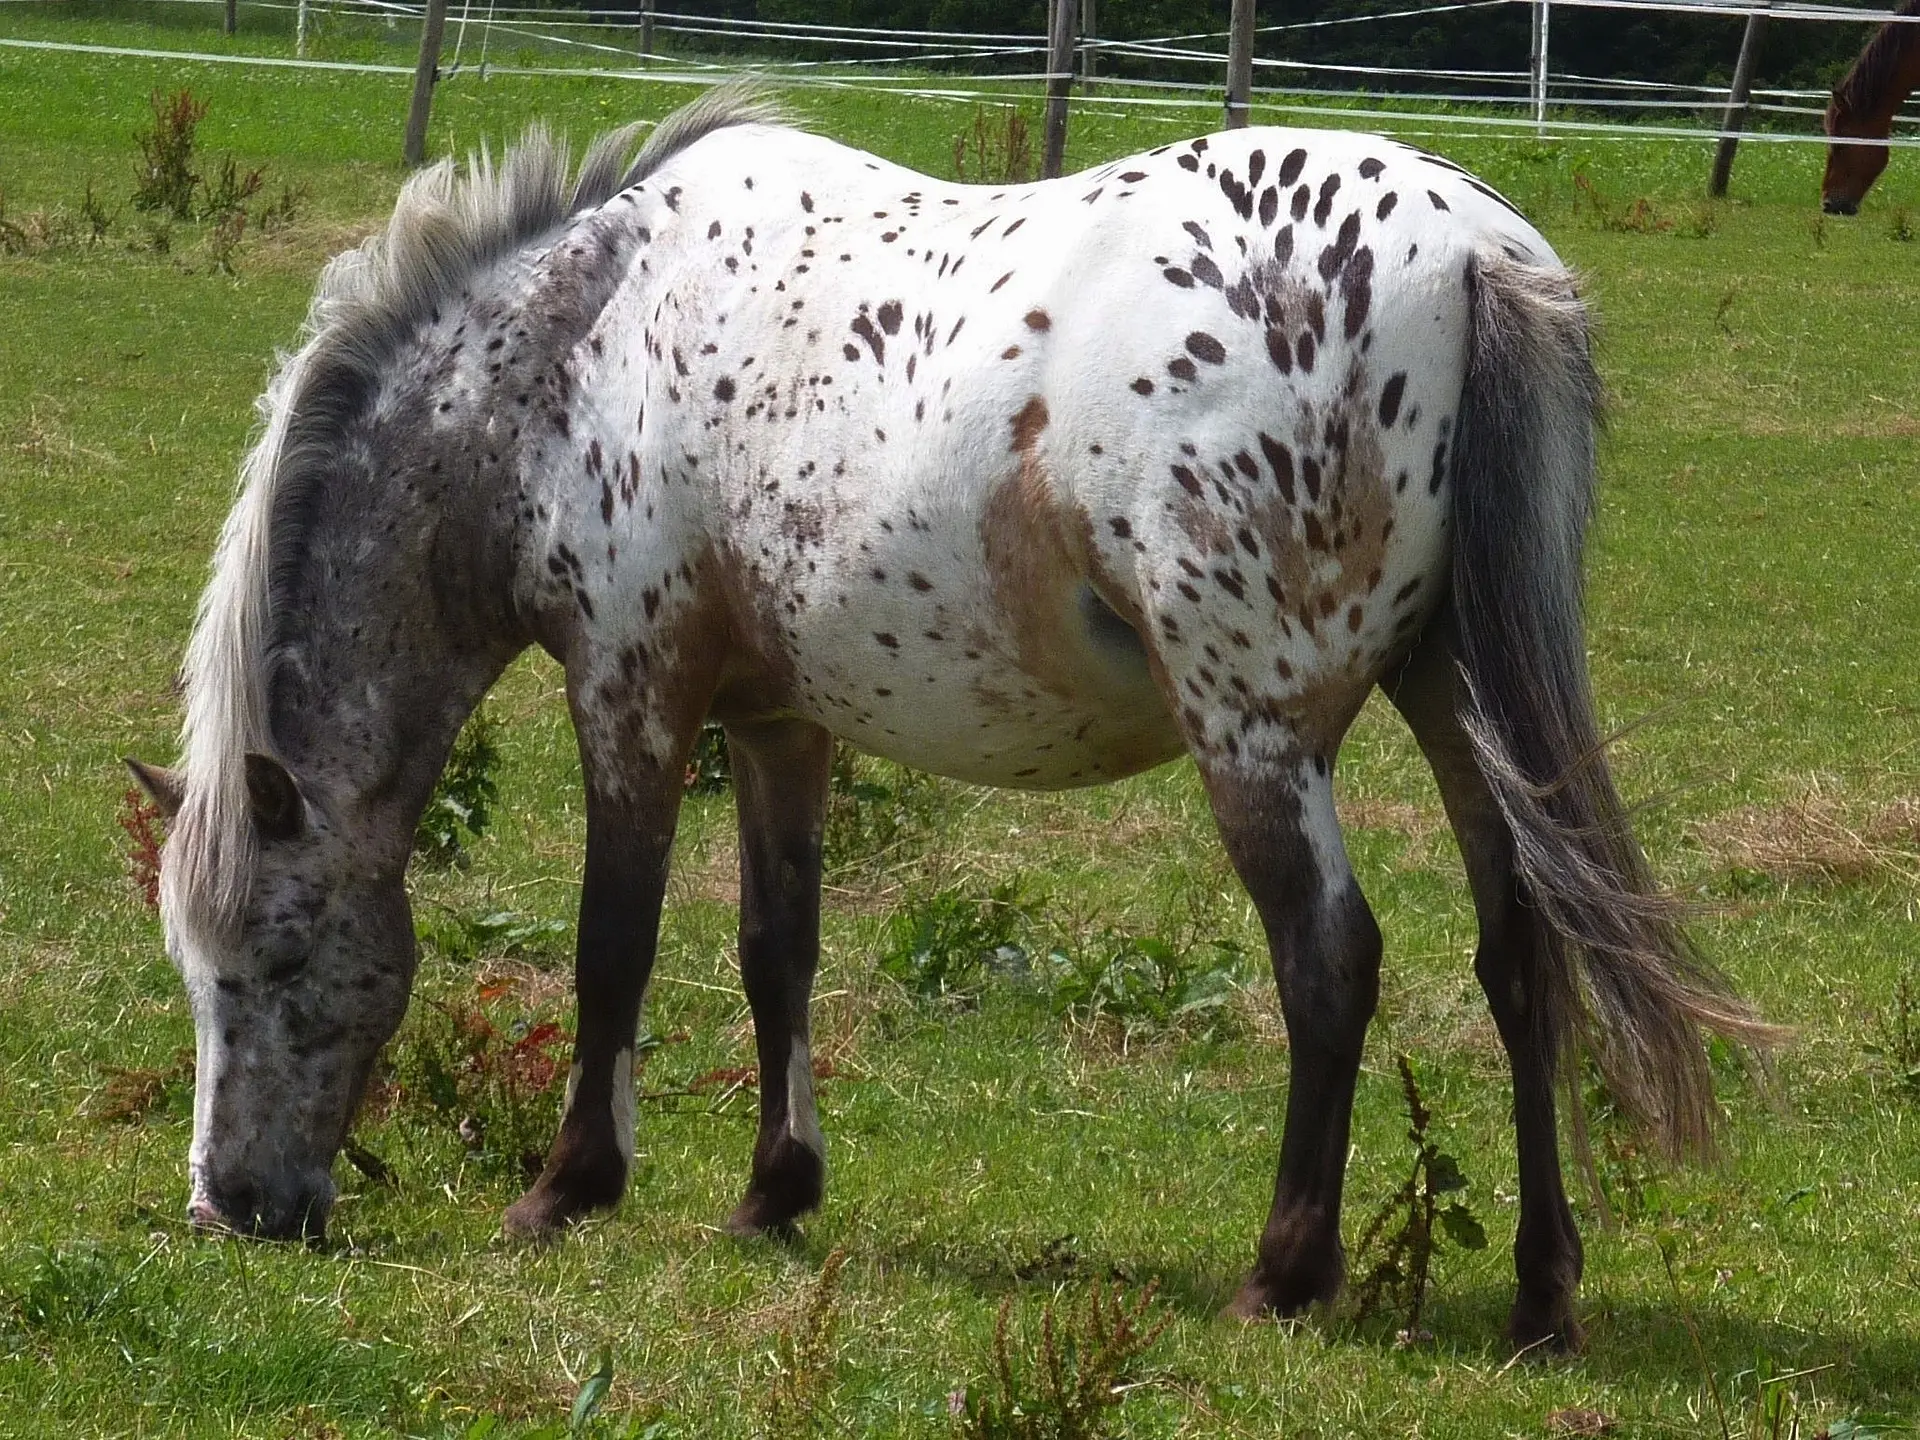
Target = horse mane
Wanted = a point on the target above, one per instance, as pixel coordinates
(446, 228)
(1868, 86)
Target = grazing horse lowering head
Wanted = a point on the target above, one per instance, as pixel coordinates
(1851, 168)
(296, 976)
(1026, 485)
(1862, 111)
(329, 674)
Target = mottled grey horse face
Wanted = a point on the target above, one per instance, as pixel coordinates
(291, 1001)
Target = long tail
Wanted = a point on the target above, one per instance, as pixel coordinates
(1619, 971)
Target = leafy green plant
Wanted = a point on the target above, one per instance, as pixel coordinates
(1397, 1279)
(947, 946)
(804, 1364)
(1070, 1387)
(1146, 985)
(166, 180)
(463, 939)
(461, 806)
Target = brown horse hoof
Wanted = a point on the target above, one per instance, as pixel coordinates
(786, 1185)
(1545, 1329)
(1265, 1297)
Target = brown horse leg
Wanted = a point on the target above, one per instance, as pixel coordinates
(780, 774)
(1546, 1249)
(629, 842)
(1282, 836)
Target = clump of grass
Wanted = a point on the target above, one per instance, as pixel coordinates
(997, 149)
(805, 1366)
(130, 1095)
(1071, 1386)
(1397, 1281)
(461, 807)
(1901, 227)
(1817, 837)
(947, 946)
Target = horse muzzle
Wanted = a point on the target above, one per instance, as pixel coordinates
(241, 1206)
(1834, 206)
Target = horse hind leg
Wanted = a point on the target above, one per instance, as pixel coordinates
(1278, 824)
(780, 776)
(1546, 1249)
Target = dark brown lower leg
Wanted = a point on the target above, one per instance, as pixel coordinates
(780, 774)
(628, 845)
(1546, 1250)
(1281, 833)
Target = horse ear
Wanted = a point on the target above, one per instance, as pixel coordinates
(275, 797)
(166, 788)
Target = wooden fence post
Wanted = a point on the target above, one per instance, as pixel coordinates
(1240, 64)
(432, 28)
(646, 29)
(232, 20)
(1059, 82)
(1735, 119)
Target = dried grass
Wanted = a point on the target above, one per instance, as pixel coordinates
(1819, 836)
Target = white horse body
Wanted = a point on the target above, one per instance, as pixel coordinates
(935, 436)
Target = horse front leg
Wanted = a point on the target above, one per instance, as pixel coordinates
(1278, 823)
(634, 784)
(780, 776)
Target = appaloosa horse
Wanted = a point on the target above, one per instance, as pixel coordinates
(1862, 109)
(1031, 485)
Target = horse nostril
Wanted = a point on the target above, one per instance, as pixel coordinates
(1840, 207)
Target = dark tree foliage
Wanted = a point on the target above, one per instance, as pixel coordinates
(1673, 49)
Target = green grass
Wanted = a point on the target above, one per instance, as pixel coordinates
(1754, 597)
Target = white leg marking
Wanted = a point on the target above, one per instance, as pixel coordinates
(623, 1123)
(803, 1121)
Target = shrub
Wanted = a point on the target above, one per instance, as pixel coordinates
(1070, 1389)
(166, 180)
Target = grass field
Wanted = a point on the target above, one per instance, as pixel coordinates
(1754, 601)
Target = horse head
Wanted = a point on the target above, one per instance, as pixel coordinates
(295, 982)
(1851, 168)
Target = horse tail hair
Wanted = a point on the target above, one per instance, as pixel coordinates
(1618, 973)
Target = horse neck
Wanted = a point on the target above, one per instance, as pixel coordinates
(395, 619)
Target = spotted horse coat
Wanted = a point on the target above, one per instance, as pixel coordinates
(1030, 485)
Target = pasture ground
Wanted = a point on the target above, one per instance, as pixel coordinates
(1755, 602)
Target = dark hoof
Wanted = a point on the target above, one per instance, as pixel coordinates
(1545, 1328)
(1266, 1294)
(786, 1186)
(563, 1194)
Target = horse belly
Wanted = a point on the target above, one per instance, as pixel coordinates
(921, 664)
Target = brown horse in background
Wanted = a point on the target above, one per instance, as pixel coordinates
(1863, 107)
